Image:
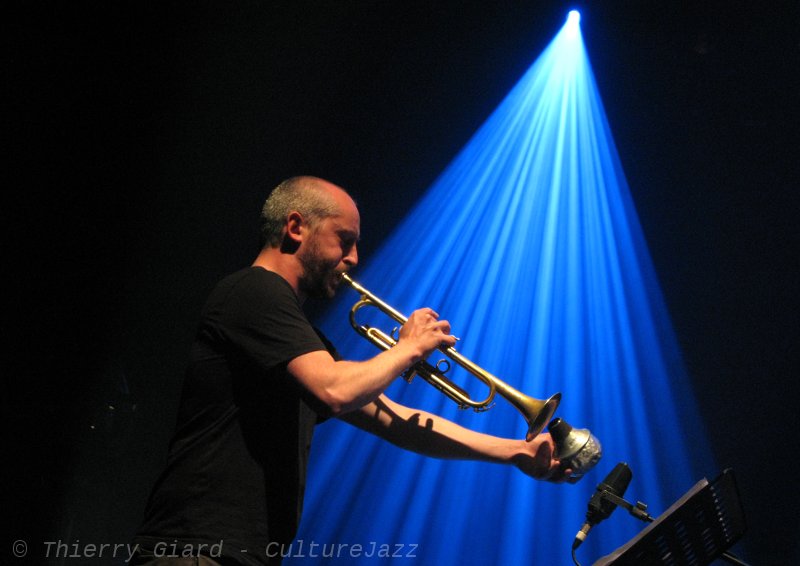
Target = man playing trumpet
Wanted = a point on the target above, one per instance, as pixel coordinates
(260, 377)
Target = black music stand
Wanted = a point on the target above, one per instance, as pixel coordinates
(696, 530)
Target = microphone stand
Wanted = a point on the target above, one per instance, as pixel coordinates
(640, 512)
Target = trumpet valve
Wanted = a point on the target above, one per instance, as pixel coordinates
(409, 375)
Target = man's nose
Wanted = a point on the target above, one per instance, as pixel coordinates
(351, 258)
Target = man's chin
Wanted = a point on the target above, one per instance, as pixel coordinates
(333, 287)
(325, 291)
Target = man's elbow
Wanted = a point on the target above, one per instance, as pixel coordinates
(335, 402)
(340, 402)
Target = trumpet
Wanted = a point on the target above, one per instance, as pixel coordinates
(537, 413)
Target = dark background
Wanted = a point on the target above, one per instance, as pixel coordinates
(142, 138)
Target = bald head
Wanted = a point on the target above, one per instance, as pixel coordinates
(314, 198)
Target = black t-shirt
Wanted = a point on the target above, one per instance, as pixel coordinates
(237, 462)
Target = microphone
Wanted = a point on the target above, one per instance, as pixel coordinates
(600, 507)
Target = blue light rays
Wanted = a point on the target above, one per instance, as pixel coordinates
(529, 244)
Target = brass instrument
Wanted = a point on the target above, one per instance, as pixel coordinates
(537, 413)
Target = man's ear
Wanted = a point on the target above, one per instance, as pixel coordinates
(296, 227)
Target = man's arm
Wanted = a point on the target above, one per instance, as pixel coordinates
(346, 386)
(434, 436)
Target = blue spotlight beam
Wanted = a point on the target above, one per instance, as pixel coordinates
(556, 293)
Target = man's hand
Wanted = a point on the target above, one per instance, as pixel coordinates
(425, 332)
(536, 459)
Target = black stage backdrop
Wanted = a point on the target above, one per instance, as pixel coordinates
(141, 139)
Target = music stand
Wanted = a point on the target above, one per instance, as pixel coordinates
(696, 530)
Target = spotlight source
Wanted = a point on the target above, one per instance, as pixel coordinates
(573, 23)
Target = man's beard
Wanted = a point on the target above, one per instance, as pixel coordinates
(319, 278)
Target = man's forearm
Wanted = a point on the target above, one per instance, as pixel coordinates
(345, 386)
(431, 435)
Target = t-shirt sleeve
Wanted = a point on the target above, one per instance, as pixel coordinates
(259, 316)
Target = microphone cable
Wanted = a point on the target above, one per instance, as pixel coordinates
(574, 557)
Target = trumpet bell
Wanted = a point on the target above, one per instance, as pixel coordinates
(538, 413)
